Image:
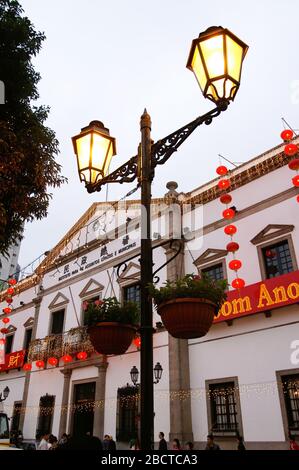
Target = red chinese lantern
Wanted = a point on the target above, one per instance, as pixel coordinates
(82, 355)
(238, 283)
(10, 290)
(27, 366)
(53, 361)
(7, 310)
(8, 300)
(223, 184)
(67, 358)
(221, 170)
(5, 320)
(290, 149)
(40, 364)
(230, 229)
(232, 247)
(235, 264)
(287, 134)
(296, 180)
(12, 282)
(226, 198)
(294, 164)
(137, 342)
(4, 331)
(2, 341)
(228, 214)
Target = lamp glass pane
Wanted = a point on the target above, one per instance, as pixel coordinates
(234, 58)
(212, 50)
(108, 159)
(83, 150)
(198, 69)
(99, 153)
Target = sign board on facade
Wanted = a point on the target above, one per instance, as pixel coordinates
(260, 297)
(13, 360)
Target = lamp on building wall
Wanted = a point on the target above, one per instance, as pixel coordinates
(216, 58)
(5, 394)
(158, 369)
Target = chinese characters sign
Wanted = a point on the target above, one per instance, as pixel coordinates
(13, 360)
(261, 297)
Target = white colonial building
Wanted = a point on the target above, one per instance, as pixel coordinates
(243, 376)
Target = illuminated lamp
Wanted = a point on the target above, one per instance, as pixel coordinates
(232, 247)
(5, 320)
(238, 283)
(228, 214)
(82, 355)
(53, 361)
(40, 364)
(221, 170)
(287, 134)
(230, 229)
(27, 367)
(67, 358)
(235, 264)
(296, 180)
(223, 184)
(290, 149)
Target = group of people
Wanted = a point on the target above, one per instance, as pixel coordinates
(67, 442)
(211, 444)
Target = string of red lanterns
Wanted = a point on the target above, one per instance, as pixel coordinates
(291, 150)
(8, 309)
(228, 214)
(54, 361)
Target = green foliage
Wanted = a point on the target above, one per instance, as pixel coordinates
(110, 310)
(27, 147)
(193, 286)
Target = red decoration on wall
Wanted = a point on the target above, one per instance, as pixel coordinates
(226, 198)
(82, 355)
(67, 358)
(230, 229)
(228, 214)
(296, 180)
(40, 364)
(291, 149)
(221, 170)
(7, 310)
(287, 134)
(238, 283)
(53, 361)
(223, 184)
(5, 320)
(232, 247)
(235, 264)
(27, 367)
(294, 164)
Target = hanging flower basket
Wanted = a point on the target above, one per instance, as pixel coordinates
(111, 325)
(111, 337)
(187, 318)
(187, 306)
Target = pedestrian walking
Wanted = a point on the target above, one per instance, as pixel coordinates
(293, 443)
(189, 445)
(211, 445)
(176, 444)
(111, 444)
(162, 442)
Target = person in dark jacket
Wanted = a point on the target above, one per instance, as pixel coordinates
(211, 444)
(111, 444)
(162, 443)
(241, 445)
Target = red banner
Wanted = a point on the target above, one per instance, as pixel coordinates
(260, 297)
(13, 360)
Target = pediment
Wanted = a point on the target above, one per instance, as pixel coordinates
(92, 287)
(11, 329)
(131, 273)
(29, 322)
(58, 301)
(211, 254)
(271, 231)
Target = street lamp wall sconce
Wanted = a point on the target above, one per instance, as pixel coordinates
(158, 370)
(216, 58)
(5, 394)
(94, 148)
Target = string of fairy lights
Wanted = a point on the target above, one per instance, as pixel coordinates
(132, 398)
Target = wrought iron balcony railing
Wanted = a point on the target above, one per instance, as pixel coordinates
(70, 342)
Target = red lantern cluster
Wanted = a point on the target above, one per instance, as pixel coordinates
(291, 150)
(27, 367)
(53, 361)
(230, 229)
(8, 309)
(40, 364)
(137, 342)
(67, 358)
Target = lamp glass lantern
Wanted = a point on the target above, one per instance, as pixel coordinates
(6, 393)
(216, 58)
(158, 372)
(94, 148)
(134, 375)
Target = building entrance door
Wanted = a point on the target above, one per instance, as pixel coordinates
(84, 395)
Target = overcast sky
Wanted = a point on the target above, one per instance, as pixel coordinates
(108, 60)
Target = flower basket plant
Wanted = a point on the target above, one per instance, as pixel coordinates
(111, 325)
(187, 306)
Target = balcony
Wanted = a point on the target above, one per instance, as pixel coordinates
(71, 342)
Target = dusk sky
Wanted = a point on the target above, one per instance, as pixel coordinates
(108, 60)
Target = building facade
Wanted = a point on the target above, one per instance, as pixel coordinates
(242, 377)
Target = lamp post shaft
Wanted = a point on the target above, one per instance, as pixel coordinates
(146, 263)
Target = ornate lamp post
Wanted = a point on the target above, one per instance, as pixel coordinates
(158, 369)
(216, 58)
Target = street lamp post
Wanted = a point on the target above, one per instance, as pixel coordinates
(215, 58)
